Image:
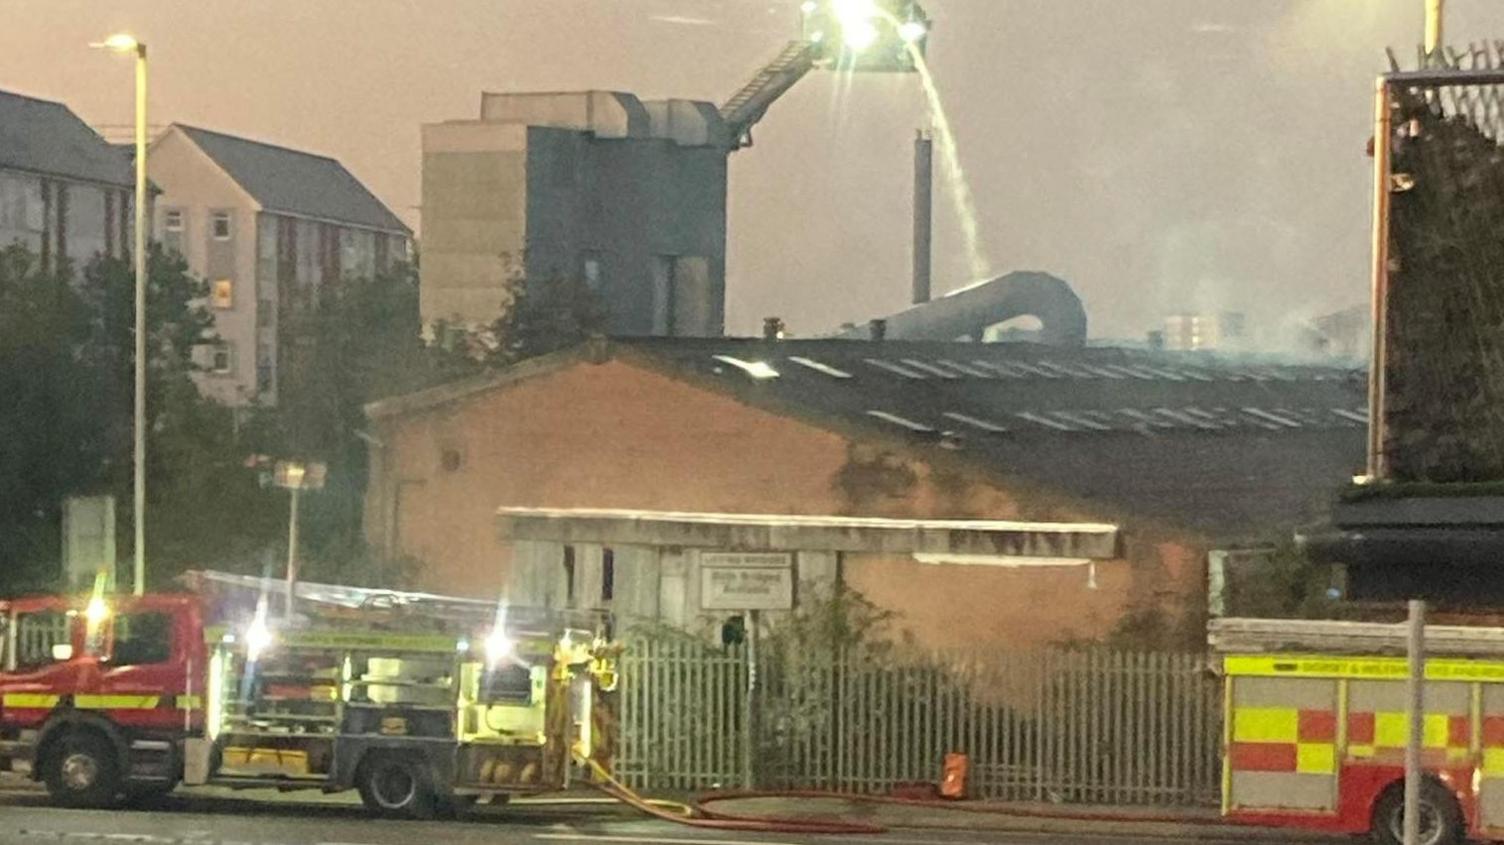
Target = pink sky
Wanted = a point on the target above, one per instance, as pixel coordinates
(1162, 155)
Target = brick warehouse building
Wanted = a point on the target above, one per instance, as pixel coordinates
(1182, 454)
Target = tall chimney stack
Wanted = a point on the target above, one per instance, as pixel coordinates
(924, 170)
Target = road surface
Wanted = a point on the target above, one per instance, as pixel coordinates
(217, 819)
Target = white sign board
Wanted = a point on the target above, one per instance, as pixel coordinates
(88, 540)
(746, 581)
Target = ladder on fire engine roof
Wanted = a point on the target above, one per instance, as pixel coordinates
(336, 600)
(1319, 636)
(748, 105)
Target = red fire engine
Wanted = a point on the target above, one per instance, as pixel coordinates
(422, 703)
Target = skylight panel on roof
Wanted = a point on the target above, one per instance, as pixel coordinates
(974, 372)
(1270, 416)
(1062, 369)
(904, 422)
(1045, 421)
(894, 368)
(1145, 372)
(1146, 418)
(1162, 373)
(1129, 371)
(1193, 374)
(1354, 416)
(924, 367)
(1306, 416)
(819, 367)
(1186, 419)
(1000, 369)
(1100, 371)
(976, 422)
(1251, 419)
(1102, 417)
(1080, 420)
(1219, 420)
(1032, 370)
(1277, 374)
(756, 369)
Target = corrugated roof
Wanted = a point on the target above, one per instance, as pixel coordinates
(295, 182)
(1229, 449)
(41, 136)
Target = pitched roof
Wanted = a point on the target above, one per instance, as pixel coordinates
(295, 182)
(41, 136)
(1232, 451)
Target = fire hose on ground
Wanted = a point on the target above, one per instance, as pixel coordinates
(697, 815)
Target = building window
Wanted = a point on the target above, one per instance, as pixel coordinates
(35, 635)
(264, 372)
(142, 639)
(569, 578)
(663, 295)
(172, 230)
(608, 575)
(222, 358)
(222, 293)
(219, 225)
(21, 203)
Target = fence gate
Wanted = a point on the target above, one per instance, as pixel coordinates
(1073, 726)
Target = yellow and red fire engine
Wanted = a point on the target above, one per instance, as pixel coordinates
(1316, 727)
(420, 702)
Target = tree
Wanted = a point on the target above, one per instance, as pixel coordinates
(362, 342)
(67, 360)
(52, 443)
(541, 316)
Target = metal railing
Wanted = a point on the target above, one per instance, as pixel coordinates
(1065, 726)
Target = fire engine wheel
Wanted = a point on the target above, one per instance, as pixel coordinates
(80, 771)
(397, 786)
(1441, 820)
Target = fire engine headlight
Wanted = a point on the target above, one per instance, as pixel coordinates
(499, 646)
(97, 611)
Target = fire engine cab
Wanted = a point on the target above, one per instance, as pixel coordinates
(421, 703)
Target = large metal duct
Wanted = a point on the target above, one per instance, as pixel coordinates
(969, 312)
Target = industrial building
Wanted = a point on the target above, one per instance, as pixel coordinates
(601, 187)
(598, 186)
(1150, 461)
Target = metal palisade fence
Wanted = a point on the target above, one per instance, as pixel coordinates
(1089, 726)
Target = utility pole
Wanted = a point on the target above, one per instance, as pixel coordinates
(1435, 10)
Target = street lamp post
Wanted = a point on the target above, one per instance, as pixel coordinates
(296, 477)
(123, 43)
